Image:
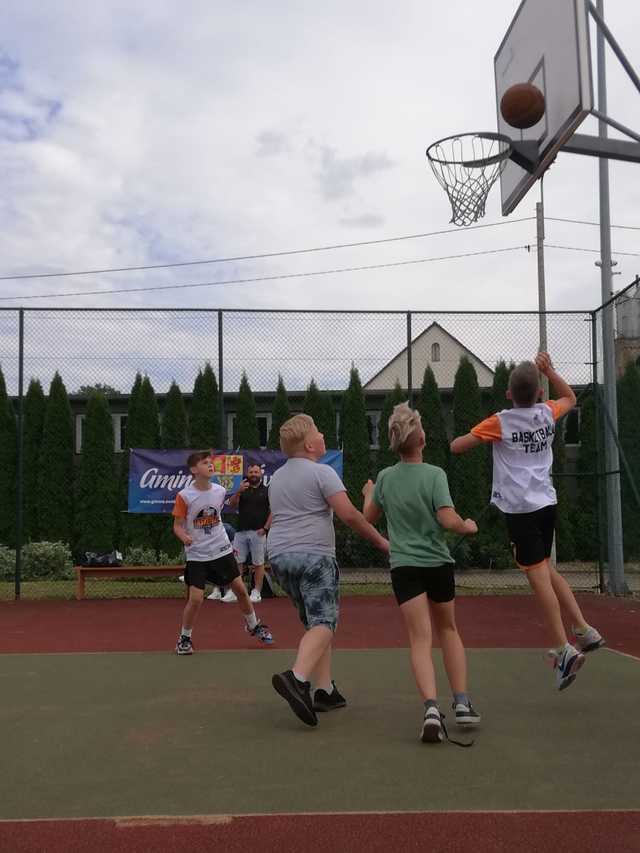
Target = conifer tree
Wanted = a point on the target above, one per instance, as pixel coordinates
(279, 414)
(143, 431)
(565, 544)
(97, 484)
(386, 457)
(56, 468)
(34, 412)
(436, 451)
(8, 466)
(629, 435)
(585, 514)
(329, 422)
(500, 386)
(355, 439)
(356, 467)
(245, 429)
(204, 417)
(469, 486)
(174, 420)
(313, 404)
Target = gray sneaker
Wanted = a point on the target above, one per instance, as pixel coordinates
(566, 665)
(466, 714)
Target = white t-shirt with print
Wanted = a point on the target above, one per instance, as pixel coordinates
(202, 511)
(522, 440)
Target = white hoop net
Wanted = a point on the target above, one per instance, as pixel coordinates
(467, 166)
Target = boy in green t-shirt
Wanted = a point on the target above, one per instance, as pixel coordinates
(415, 499)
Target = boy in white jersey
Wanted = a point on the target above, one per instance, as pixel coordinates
(209, 553)
(522, 489)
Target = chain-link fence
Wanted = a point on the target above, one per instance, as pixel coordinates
(107, 348)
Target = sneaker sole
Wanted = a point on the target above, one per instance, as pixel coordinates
(190, 652)
(432, 733)
(322, 707)
(468, 721)
(593, 646)
(296, 704)
(568, 680)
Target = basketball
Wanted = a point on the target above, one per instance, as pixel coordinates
(522, 105)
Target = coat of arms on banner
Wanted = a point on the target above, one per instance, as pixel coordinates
(227, 470)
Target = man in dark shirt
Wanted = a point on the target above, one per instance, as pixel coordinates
(252, 500)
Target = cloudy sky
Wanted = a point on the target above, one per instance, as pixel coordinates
(153, 131)
(157, 131)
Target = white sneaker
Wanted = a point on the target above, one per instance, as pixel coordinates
(589, 641)
(229, 597)
(431, 731)
(255, 596)
(181, 578)
(216, 595)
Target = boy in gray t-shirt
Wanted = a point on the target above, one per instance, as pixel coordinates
(303, 496)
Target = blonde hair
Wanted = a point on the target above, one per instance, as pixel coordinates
(293, 433)
(404, 426)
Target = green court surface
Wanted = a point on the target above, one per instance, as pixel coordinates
(143, 734)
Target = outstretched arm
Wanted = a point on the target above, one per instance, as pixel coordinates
(354, 519)
(566, 398)
(465, 442)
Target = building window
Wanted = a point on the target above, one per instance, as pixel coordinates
(435, 352)
(264, 427)
(373, 426)
(119, 432)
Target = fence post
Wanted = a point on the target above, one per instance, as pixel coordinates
(409, 361)
(223, 419)
(599, 472)
(20, 459)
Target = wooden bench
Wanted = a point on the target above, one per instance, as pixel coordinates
(83, 572)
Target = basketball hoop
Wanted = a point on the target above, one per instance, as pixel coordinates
(467, 166)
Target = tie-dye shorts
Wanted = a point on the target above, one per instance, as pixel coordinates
(312, 582)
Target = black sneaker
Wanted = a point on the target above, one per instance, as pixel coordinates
(184, 646)
(323, 701)
(466, 714)
(297, 694)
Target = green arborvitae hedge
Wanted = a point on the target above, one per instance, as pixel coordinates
(357, 467)
(56, 468)
(469, 485)
(386, 457)
(629, 435)
(436, 451)
(245, 427)
(279, 414)
(204, 417)
(96, 495)
(585, 511)
(8, 466)
(565, 543)
(329, 422)
(173, 429)
(34, 412)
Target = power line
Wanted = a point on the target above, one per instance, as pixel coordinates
(597, 224)
(263, 255)
(280, 277)
(593, 251)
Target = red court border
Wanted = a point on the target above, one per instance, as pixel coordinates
(366, 622)
(410, 832)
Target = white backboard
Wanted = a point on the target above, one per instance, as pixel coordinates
(547, 44)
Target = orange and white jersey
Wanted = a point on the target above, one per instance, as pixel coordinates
(522, 441)
(202, 512)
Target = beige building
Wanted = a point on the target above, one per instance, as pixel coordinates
(436, 347)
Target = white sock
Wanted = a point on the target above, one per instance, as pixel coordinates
(580, 632)
(298, 677)
(185, 632)
(251, 620)
(327, 689)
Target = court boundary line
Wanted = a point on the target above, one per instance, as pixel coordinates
(622, 654)
(223, 819)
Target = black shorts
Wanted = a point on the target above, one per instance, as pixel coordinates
(437, 581)
(219, 572)
(531, 534)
